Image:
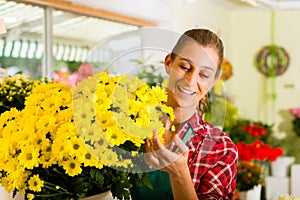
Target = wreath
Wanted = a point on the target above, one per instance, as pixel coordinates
(272, 60)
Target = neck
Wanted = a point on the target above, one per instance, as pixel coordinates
(183, 114)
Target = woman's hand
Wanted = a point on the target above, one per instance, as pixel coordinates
(159, 157)
(174, 163)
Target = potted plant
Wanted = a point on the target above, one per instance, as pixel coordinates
(250, 179)
(254, 155)
(61, 144)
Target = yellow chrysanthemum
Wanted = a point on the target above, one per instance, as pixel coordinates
(29, 157)
(110, 158)
(7, 183)
(91, 160)
(46, 124)
(30, 196)
(47, 159)
(78, 127)
(76, 148)
(90, 133)
(35, 183)
(59, 149)
(20, 177)
(72, 166)
(6, 117)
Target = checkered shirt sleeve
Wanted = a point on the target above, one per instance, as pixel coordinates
(212, 160)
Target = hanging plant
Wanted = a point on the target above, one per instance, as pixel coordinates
(272, 60)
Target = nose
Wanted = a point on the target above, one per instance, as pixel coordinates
(192, 77)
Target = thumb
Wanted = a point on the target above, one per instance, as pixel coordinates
(182, 148)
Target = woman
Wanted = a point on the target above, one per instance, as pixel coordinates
(200, 162)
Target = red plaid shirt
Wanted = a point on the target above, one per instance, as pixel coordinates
(212, 159)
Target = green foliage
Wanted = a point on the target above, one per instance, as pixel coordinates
(239, 134)
(249, 175)
(221, 112)
(296, 126)
(149, 73)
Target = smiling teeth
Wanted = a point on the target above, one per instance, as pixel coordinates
(185, 91)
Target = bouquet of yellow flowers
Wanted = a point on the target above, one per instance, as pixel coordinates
(77, 142)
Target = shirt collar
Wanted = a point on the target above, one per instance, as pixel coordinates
(197, 124)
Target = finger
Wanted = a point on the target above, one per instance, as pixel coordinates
(168, 124)
(157, 145)
(182, 148)
(148, 146)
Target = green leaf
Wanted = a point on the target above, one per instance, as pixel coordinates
(147, 182)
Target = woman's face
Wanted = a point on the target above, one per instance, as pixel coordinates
(191, 75)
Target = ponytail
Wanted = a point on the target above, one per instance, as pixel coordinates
(203, 105)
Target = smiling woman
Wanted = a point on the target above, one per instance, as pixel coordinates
(193, 165)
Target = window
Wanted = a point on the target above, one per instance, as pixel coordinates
(73, 36)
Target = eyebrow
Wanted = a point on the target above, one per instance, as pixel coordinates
(190, 61)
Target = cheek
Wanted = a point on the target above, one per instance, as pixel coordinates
(200, 95)
(203, 88)
(173, 78)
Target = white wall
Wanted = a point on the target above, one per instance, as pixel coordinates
(203, 13)
(252, 30)
(153, 10)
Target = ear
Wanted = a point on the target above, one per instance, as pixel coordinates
(167, 63)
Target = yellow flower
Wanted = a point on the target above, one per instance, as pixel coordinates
(6, 117)
(29, 157)
(46, 124)
(72, 166)
(59, 149)
(77, 128)
(47, 159)
(35, 183)
(105, 120)
(91, 160)
(30, 196)
(76, 148)
(90, 133)
(109, 158)
(7, 183)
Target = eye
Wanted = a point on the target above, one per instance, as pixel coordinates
(205, 74)
(184, 67)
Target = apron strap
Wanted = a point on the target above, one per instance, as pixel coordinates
(187, 135)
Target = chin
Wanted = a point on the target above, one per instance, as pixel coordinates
(188, 105)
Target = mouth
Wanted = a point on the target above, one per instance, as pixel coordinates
(185, 91)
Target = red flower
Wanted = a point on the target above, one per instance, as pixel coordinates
(258, 151)
(255, 130)
(275, 153)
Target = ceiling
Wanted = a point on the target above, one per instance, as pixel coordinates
(264, 4)
(235, 4)
(26, 21)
